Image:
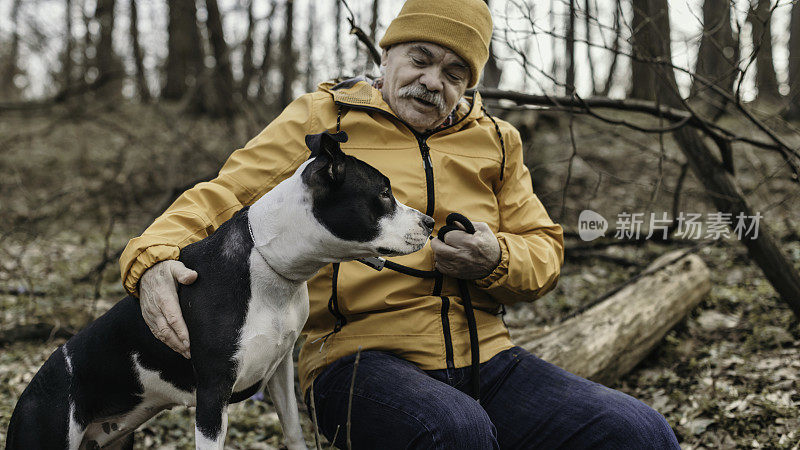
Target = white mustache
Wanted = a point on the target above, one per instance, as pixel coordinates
(419, 91)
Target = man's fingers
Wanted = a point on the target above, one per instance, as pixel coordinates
(182, 274)
(162, 328)
(445, 269)
(458, 239)
(481, 226)
(442, 248)
(187, 277)
(166, 335)
(177, 326)
(467, 256)
(446, 258)
(463, 240)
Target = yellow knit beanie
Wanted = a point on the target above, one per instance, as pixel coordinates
(463, 26)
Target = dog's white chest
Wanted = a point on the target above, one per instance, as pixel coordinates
(276, 314)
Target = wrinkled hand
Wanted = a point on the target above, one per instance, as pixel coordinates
(467, 256)
(158, 292)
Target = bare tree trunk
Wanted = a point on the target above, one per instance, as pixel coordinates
(310, 51)
(491, 72)
(141, 82)
(794, 63)
(67, 64)
(219, 99)
(766, 80)
(717, 58)
(185, 59)
(726, 195)
(264, 85)
(729, 198)
(587, 15)
(555, 67)
(373, 24)
(86, 43)
(248, 68)
(570, 80)
(529, 41)
(10, 70)
(108, 68)
(614, 51)
(338, 29)
(288, 57)
(357, 46)
(650, 38)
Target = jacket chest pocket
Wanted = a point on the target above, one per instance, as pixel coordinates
(465, 185)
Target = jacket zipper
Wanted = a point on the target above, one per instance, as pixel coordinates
(448, 339)
(425, 151)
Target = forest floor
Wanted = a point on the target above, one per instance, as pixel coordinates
(75, 185)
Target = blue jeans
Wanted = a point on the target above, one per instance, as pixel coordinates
(525, 403)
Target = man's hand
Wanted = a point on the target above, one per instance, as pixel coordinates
(467, 256)
(158, 292)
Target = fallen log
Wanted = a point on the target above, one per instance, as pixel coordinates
(609, 339)
(39, 331)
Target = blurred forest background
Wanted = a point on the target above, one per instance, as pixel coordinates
(109, 109)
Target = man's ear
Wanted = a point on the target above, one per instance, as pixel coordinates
(325, 147)
(384, 57)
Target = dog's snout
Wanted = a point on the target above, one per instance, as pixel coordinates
(427, 222)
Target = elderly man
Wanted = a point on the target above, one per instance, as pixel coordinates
(443, 154)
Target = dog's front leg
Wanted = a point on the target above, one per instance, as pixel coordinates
(211, 416)
(281, 390)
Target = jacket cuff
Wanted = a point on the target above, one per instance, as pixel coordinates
(147, 259)
(500, 271)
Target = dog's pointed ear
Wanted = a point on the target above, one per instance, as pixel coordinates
(325, 142)
(326, 147)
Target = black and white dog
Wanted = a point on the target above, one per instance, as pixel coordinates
(244, 313)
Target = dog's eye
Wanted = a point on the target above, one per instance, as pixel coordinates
(386, 194)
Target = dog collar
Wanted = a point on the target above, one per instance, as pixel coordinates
(250, 229)
(253, 237)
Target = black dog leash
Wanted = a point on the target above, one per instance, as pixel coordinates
(475, 356)
(378, 263)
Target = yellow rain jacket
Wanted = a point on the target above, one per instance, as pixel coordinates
(455, 169)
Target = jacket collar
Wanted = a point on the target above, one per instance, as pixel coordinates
(358, 93)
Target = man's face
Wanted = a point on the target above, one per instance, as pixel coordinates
(422, 82)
